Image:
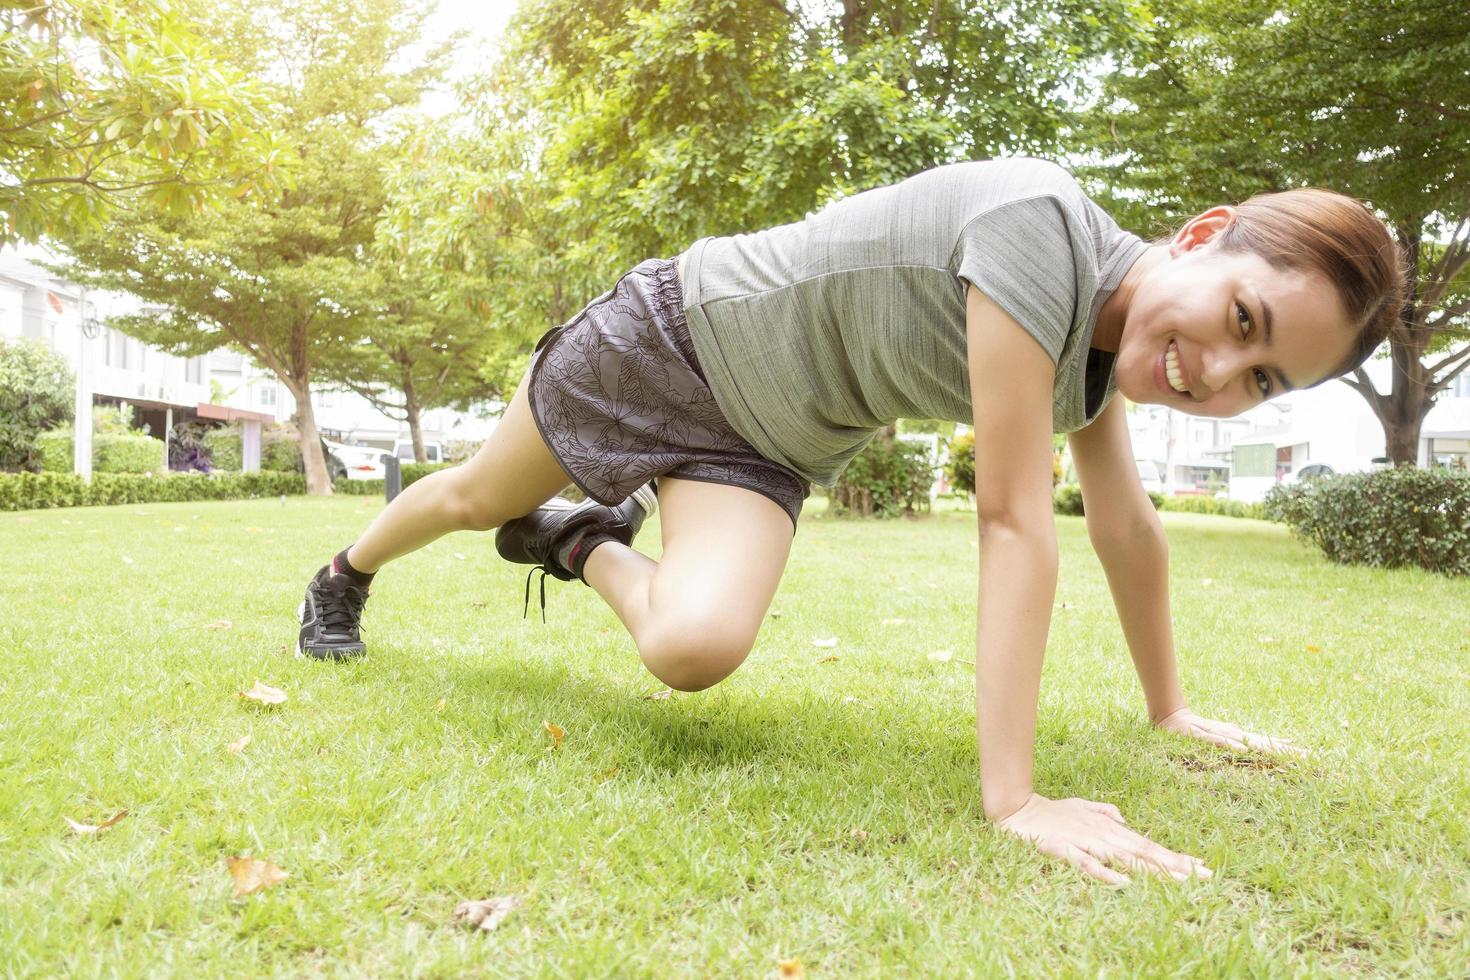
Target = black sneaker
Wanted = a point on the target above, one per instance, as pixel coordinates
(330, 617)
(535, 538)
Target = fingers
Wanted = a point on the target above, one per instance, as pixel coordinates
(1088, 864)
(1106, 809)
(1142, 854)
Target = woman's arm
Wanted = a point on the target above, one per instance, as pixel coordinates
(1129, 539)
(1011, 380)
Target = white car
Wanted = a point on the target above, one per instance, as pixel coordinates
(362, 462)
(403, 449)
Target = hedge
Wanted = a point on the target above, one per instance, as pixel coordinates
(129, 453)
(411, 473)
(1067, 499)
(1216, 505)
(34, 491)
(1384, 518)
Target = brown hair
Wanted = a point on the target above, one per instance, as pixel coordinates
(1312, 229)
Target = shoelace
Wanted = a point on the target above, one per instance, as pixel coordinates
(527, 606)
(342, 608)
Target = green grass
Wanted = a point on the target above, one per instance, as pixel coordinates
(710, 833)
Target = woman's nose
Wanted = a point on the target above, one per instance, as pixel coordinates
(1220, 367)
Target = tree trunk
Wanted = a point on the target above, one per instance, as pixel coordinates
(315, 464)
(416, 432)
(411, 412)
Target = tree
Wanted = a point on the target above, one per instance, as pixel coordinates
(413, 357)
(103, 101)
(36, 388)
(1219, 99)
(277, 278)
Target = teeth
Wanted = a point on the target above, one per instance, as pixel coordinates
(1171, 368)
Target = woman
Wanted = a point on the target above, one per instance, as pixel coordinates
(989, 292)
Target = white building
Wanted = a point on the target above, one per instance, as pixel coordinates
(164, 389)
(1331, 425)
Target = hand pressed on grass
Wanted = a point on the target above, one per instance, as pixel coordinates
(1224, 734)
(1089, 835)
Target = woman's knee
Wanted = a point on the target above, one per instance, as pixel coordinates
(693, 653)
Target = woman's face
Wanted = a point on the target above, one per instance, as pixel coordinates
(1240, 330)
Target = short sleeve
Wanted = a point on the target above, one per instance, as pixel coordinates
(1022, 255)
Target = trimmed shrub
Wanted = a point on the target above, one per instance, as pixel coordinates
(34, 491)
(55, 450)
(412, 472)
(358, 488)
(1385, 518)
(36, 393)
(1214, 505)
(884, 480)
(1067, 499)
(135, 453)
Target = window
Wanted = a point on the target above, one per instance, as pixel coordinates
(265, 396)
(194, 371)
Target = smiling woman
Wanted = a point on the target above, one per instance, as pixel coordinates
(1285, 291)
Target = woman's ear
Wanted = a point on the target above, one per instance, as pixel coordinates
(1200, 229)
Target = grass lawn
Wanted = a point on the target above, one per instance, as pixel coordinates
(807, 808)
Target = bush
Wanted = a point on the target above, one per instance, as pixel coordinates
(1214, 505)
(31, 491)
(135, 453)
(959, 469)
(1385, 518)
(884, 480)
(131, 452)
(226, 455)
(280, 449)
(411, 472)
(37, 391)
(54, 450)
(1067, 499)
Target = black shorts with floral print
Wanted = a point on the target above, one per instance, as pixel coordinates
(619, 397)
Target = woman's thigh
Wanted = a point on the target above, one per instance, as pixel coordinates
(513, 472)
(724, 549)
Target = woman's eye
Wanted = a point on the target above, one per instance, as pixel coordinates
(1243, 316)
(1264, 381)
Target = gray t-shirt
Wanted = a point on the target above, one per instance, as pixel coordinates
(814, 334)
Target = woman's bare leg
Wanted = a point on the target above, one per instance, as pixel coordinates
(695, 612)
(511, 475)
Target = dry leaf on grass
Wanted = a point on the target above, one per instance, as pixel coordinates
(487, 913)
(792, 969)
(609, 773)
(826, 642)
(556, 732)
(219, 624)
(828, 659)
(440, 704)
(264, 694)
(238, 745)
(252, 874)
(663, 695)
(1313, 648)
(87, 829)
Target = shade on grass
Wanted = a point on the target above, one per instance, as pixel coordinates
(709, 833)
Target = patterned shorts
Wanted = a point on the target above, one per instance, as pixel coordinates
(619, 397)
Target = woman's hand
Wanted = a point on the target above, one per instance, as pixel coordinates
(1222, 733)
(1088, 834)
